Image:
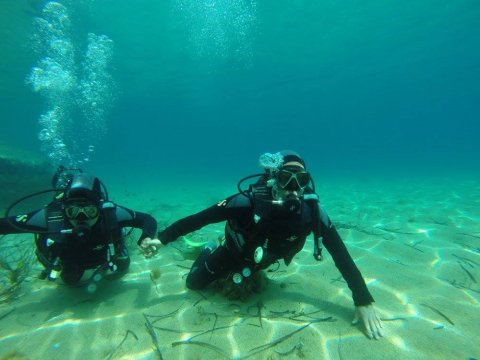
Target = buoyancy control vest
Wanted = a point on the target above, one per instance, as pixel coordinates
(265, 208)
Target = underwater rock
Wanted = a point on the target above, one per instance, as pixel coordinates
(21, 172)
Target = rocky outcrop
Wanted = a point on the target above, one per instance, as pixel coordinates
(21, 173)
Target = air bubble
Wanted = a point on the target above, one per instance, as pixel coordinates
(71, 86)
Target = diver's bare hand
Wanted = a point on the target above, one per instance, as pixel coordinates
(149, 246)
(371, 322)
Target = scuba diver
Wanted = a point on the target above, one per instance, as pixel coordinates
(268, 222)
(80, 229)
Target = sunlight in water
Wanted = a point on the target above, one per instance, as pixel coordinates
(399, 342)
(437, 261)
(426, 232)
(220, 30)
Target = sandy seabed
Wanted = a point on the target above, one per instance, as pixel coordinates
(416, 242)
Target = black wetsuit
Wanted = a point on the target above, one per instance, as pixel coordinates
(281, 236)
(77, 252)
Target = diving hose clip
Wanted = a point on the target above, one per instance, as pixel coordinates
(55, 270)
(317, 249)
(110, 254)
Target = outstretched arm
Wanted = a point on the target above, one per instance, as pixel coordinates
(362, 298)
(139, 220)
(25, 223)
(136, 219)
(346, 266)
(181, 227)
(235, 206)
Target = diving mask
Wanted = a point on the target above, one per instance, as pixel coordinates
(292, 180)
(73, 211)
